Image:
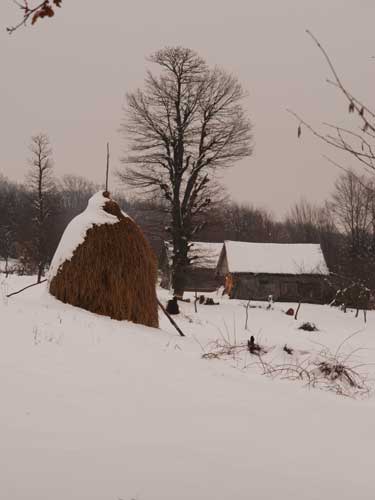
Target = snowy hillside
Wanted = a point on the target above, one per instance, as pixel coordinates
(95, 409)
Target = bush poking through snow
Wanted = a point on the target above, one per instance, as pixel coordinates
(253, 347)
(288, 350)
(339, 372)
(308, 327)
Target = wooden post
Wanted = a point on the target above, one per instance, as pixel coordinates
(296, 315)
(247, 313)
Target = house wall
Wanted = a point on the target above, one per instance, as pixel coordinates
(288, 288)
(197, 279)
(202, 280)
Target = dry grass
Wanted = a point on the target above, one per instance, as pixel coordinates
(324, 372)
(335, 372)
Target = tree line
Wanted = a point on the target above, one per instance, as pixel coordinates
(35, 212)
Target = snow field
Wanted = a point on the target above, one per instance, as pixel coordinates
(100, 409)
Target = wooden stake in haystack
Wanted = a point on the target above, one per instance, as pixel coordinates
(107, 170)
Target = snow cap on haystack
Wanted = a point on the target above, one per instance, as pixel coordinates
(105, 265)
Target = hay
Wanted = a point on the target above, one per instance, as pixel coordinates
(112, 273)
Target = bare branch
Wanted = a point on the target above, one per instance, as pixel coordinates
(41, 10)
(357, 143)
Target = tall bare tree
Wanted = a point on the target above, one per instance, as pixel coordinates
(186, 124)
(41, 188)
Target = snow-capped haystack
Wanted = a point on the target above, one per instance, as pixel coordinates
(105, 265)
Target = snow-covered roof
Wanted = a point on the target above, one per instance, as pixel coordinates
(205, 255)
(275, 258)
(75, 231)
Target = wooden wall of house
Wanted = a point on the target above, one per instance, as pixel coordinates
(197, 279)
(287, 288)
(202, 280)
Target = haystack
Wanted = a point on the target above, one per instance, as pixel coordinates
(105, 265)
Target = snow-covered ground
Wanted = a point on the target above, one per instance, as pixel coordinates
(95, 409)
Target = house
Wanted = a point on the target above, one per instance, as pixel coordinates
(201, 275)
(288, 272)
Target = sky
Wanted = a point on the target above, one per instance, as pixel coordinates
(68, 76)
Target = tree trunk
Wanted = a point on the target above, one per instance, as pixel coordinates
(178, 282)
(179, 275)
(180, 265)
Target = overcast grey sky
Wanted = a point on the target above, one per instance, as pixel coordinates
(68, 76)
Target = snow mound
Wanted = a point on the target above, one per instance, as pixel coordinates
(76, 230)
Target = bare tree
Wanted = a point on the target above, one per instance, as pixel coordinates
(41, 187)
(32, 11)
(352, 206)
(8, 210)
(186, 124)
